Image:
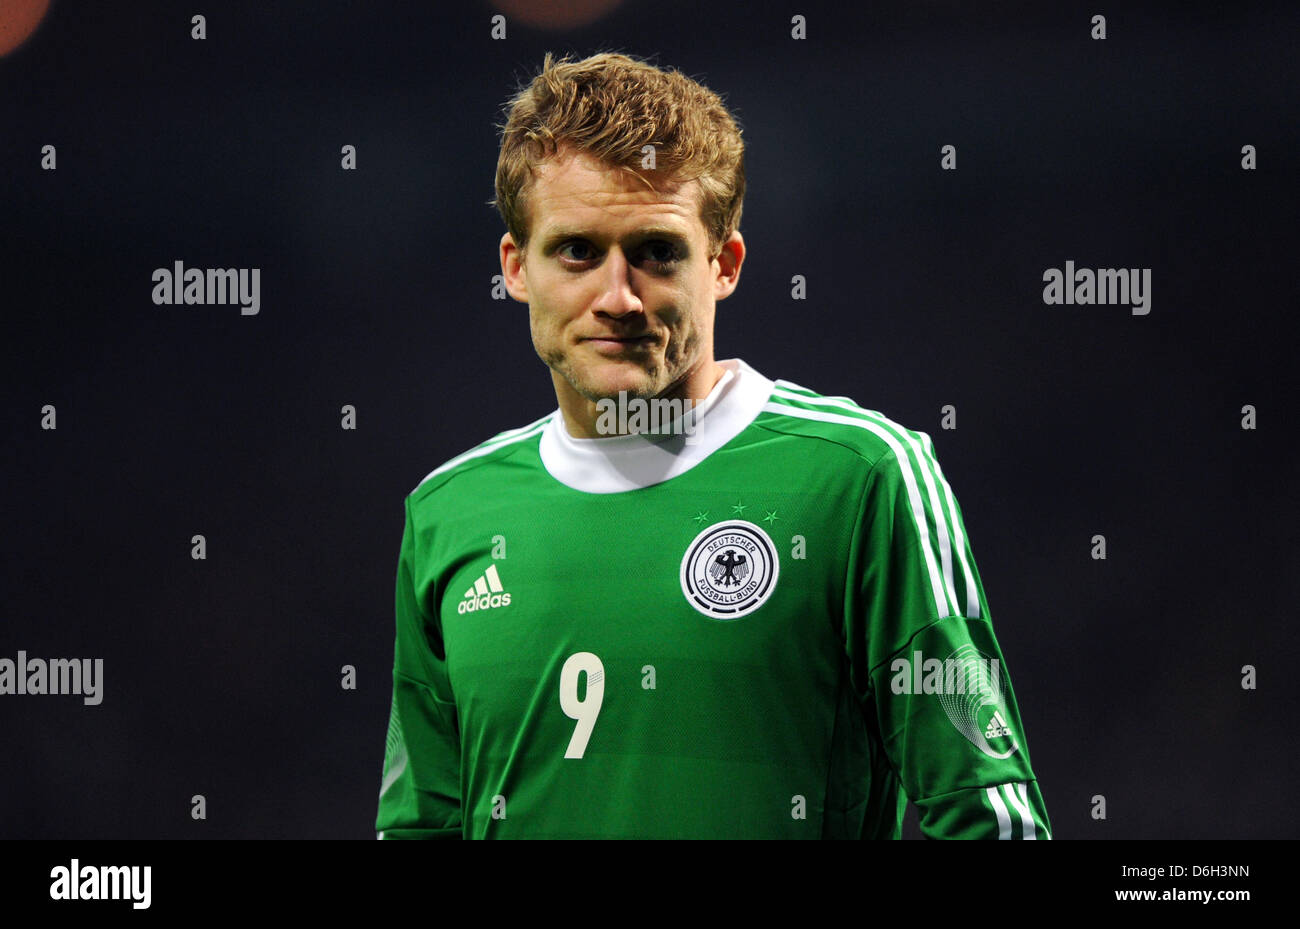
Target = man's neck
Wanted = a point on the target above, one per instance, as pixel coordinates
(583, 418)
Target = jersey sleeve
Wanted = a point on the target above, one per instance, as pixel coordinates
(925, 663)
(419, 797)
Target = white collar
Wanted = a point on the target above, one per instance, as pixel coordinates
(628, 462)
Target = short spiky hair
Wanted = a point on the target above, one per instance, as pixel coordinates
(609, 106)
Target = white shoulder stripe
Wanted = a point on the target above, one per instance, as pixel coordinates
(1000, 811)
(509, 437)
(846, 403)
(972, 593)
(1018, 797)
(782, 382)
(511, 433)
(941, 574)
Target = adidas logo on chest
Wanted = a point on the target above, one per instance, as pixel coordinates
(486, 594)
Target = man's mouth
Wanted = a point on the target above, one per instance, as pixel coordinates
(619, 343)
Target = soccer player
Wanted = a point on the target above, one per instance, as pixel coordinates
(691, 601)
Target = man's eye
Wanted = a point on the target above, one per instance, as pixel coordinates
(661, 253)
(584, 251)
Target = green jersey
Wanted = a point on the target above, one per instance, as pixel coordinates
(769, 624)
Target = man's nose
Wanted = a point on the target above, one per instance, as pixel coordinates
(617, 297)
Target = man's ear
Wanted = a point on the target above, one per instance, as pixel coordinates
(512, 269)
(727, 263)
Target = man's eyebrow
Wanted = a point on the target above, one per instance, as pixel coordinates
(563, 234)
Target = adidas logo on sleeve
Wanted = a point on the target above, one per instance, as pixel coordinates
(997, 725)
(487, 593)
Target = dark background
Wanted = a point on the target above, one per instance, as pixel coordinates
(222, 677)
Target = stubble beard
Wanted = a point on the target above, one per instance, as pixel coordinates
(655, 376)
(643, 388)
(658, 377)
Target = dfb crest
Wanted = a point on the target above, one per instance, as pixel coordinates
(729, 570)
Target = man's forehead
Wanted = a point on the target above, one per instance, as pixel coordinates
(573, 184)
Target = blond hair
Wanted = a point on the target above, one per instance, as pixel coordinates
(609, 106)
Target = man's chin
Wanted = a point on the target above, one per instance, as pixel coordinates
(631, 390)
(632, 382)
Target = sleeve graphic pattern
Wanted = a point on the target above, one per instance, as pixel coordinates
(925, 661)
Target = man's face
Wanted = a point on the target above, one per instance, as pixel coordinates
(618, 279)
